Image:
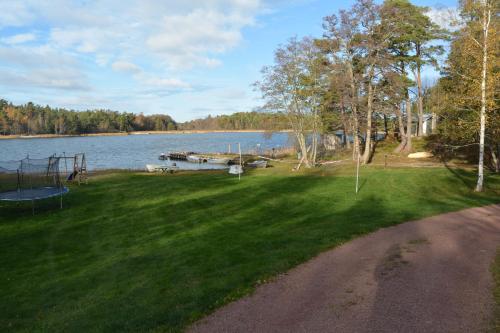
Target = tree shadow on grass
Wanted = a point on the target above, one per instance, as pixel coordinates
(143, 252)
(462, 175)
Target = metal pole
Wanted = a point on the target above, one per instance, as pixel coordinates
(65, 164)
(241, 168)
(357, 176)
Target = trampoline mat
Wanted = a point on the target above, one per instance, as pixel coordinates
(33, 194)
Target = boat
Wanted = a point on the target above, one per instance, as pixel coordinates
(196, 159)
(235, 169)
(163, 157)
(258, 164)
(161, 168)
(220, 160)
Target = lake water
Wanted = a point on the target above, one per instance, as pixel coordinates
(135, 151)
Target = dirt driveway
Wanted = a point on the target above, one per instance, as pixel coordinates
(430, 275)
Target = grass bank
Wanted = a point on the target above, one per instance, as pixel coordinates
(140, 252)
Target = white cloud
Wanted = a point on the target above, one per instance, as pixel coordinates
(179, 34)
(149, 80)
(41, 67)
(35, 57)
(445, 17)
(166, 83)
(14, 14)
(155, 42)
(19, 39)
(185, 40)
(52, 78)
(125, 66)
(86, 40)
(102, 59)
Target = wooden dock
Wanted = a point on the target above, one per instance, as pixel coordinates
(179, 156)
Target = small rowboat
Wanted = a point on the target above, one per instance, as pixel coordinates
(235, 169)
(196, 159)
(258, 164)
(220, 160)
(161, 168)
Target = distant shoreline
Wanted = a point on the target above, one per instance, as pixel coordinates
(50, 136)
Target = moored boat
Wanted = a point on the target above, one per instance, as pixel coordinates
(218, 160)
(196, 159)
(258, 164)
(161, 168)
(235, 169)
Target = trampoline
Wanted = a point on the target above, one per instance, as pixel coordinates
(30, 180)
(33, 194)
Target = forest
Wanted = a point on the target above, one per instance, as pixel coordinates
(270, 121)
(32, 119)
(368, 69)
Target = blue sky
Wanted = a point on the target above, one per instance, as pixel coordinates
(185, 58)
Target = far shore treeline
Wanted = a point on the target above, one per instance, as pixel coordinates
(32, 119)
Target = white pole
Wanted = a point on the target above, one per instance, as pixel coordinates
(357, 176)
(241, 168)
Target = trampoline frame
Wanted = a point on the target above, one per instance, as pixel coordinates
(20, 195)
(37, 193)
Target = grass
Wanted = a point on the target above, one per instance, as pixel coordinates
(139, 252)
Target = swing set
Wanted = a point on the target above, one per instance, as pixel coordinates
(79, 168)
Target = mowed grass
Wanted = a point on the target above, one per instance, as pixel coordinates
(138, 252)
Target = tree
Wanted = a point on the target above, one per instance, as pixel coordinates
(398, 22)
(424, 33)
(466, 97)
(340, 44)
(293, 86)
(373, 59)
(482, 10)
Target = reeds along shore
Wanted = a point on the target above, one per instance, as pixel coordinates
(27, 136)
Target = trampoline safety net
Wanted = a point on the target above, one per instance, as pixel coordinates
(30, 179)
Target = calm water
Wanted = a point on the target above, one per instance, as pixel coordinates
(135, 151)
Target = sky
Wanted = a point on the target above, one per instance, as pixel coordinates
(184, 58)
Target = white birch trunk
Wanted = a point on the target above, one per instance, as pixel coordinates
(482, 130)
(368, 138)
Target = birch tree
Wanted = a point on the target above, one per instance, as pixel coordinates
(483, 10)
(469, 103)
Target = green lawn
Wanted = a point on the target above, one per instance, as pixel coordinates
(138, 252)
